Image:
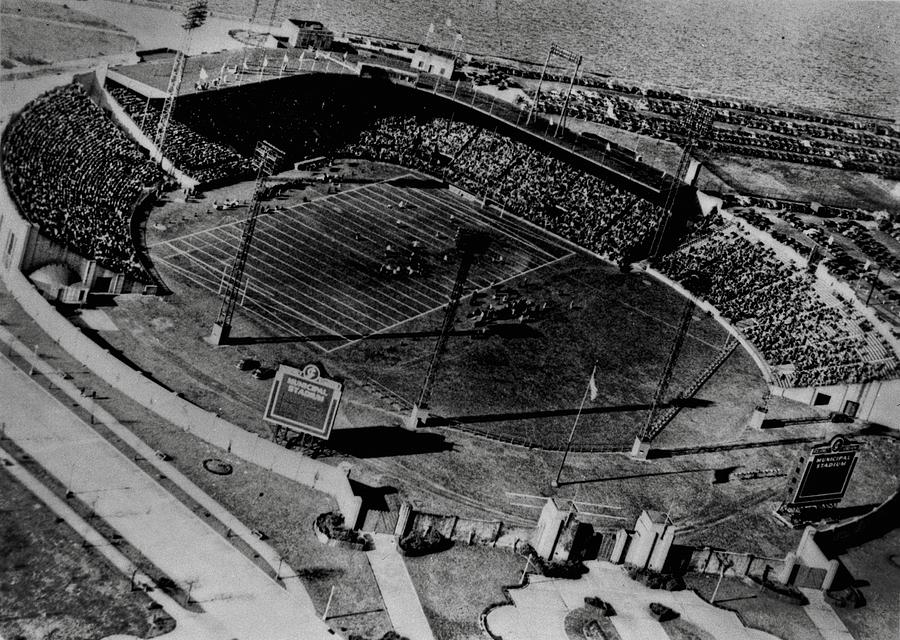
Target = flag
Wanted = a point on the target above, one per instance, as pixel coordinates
(431, 28)
(245, 65)
(203, 75)
(449, 22)
(592, 385)
(284, 63)
(265, 62)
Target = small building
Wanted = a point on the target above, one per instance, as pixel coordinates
(307, 34)
(436, 61)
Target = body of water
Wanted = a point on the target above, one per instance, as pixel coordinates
(835, 54)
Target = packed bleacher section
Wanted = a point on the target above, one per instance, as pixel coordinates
(806, 334)
(577, 205)
(206, 161)
(74, 173)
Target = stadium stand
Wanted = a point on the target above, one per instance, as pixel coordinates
(74, 173)
(578, 206)
(805, 333)
(206, 161)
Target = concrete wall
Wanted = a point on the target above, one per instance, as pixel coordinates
(877, 400)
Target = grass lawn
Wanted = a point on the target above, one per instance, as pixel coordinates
(781, 619)
(792, 181)
(52, 586)
(680, 629)
(576, 620)
(456, 585)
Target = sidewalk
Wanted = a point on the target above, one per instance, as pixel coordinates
(265, 551)
(540, 609)
(397, 590)
(236, 596)
(823, 616)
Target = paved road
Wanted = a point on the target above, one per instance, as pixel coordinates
(397, 590)
(540, 609)
(239, 600)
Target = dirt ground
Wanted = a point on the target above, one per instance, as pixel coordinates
(35, 33)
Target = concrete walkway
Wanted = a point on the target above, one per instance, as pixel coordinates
(823, 616)
(397, 590)
(239, 600)
(540, 609)
(235, 526)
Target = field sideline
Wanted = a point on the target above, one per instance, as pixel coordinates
(313, 268)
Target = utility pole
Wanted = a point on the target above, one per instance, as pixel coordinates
(194, 18)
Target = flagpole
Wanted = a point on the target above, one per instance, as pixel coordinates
(555, 482)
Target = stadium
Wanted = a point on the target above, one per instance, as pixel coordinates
(699, 355)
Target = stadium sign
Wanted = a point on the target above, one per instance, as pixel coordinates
(302, 400)
(826, 474)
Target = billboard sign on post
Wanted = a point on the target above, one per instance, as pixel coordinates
(826, 474)
(301, 400)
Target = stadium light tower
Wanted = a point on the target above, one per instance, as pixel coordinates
(471, 243)
(194, 18)
(697, 123)
(266, 158)
(641, 445)
(565, 55)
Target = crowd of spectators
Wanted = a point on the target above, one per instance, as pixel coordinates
(206, 161)
(806, 336)
(76, 175)
(568, 201)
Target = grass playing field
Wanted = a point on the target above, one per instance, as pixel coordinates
(316, 270)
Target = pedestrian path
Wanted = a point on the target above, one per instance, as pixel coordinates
(234, 526)
(236, 596)
(397, 590)
(830, 626)
(539, 610)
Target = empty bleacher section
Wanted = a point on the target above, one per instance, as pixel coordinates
(206, 161)
(77, 176)
(808, 336)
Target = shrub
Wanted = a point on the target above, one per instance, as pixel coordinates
(569, 569)
(418, 542)
(332, 525)
(655, 580)
(661, 612)
(849, 598)
(604, 608)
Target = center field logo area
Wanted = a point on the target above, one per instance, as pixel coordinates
(345, 266)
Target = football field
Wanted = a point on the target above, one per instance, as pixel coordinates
(359, 262)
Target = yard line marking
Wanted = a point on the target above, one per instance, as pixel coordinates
(364, 276)
(290, 269)
(275, 299)
(425, 313)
